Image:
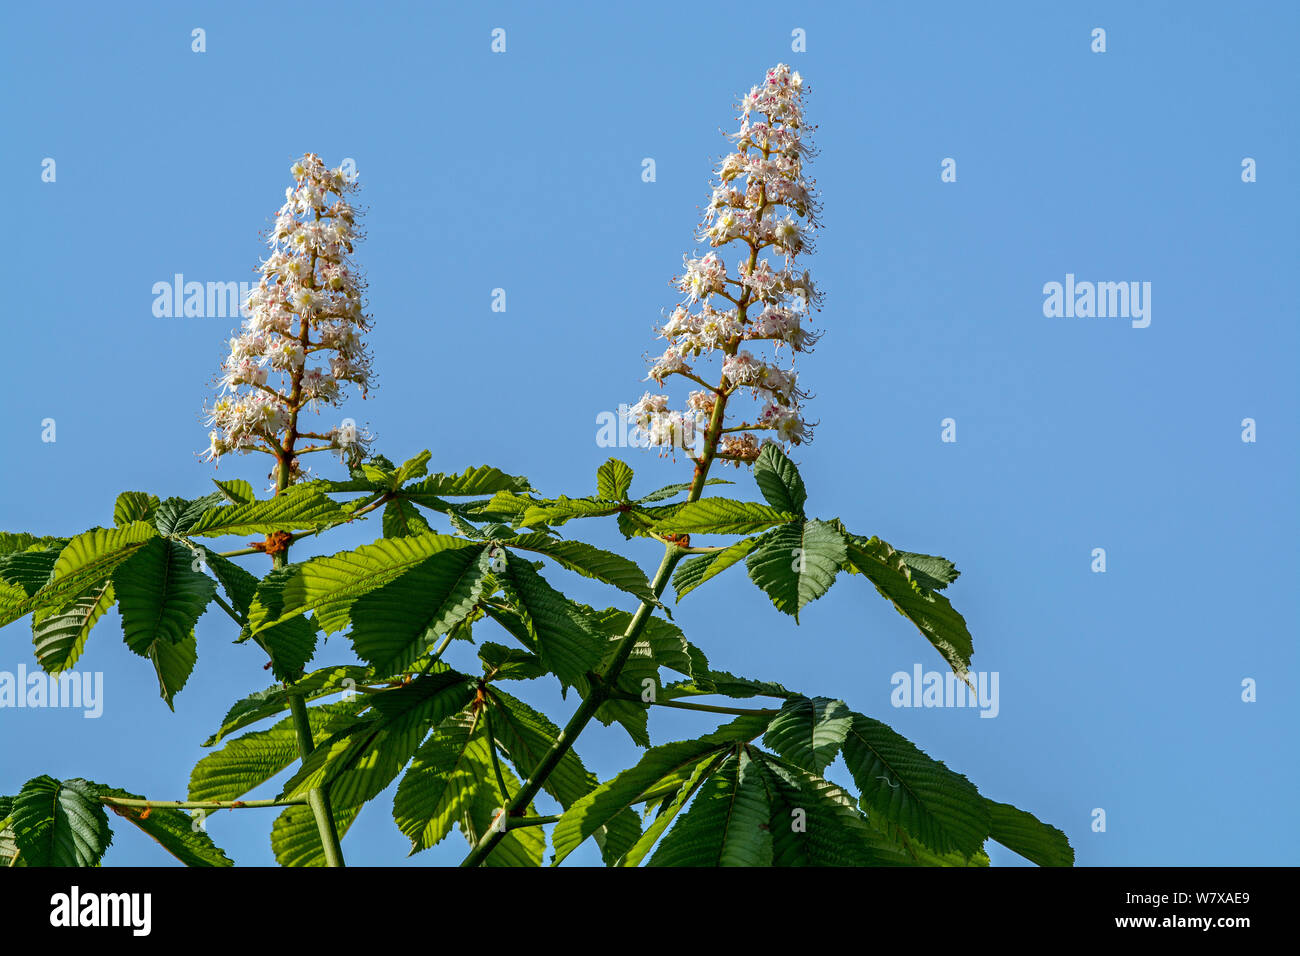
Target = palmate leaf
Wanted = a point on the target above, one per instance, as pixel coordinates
(613, 479)
(395, 624)
(16, 541)
(728, 823)
(402, 519)
(175, 516)
(59, 823)
(693, 572)
(670, 491)
(274, 700)
(930, 571)
(809, 732)
(237, 491)
(302, 507)
(87, 561)
(439, 788)
(451, 782)
(509, 663)
(60, 634)
(173, 663)
(933, 616)
(568, 643)
(329, 586)
(254, 758)
(295, 835)
(678, 791)
(902, 785)
(778, 479)
(359, 760)
(524, 735)
(815, 823)
(604, 804)
(557, 512)
(483, 480)
(22, 574)
(718, 516)
(720, 682)
(134, 506)
(589, 561)
(159, 595)
(1025, 834)
(173, 830)
(797, 563)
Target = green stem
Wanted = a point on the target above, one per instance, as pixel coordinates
(582, 716)
(706, 708)
(317, 799)
(221, 602)
(204, 804)
(496, 761)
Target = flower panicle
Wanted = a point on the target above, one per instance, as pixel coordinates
(301, 345)
(764, 207)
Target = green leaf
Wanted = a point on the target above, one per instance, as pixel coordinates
(901, 784)
(509, 663)
(59, 823)
(176, 515)
(796, 564)
(603, 805)
(342, 678)
(291, 643)
(295, 836)
(173, 663)
(251, 760)
(680, 789)
(613, 479)
(525, 736)
(237, 491)
(402, 519)
(1025, 834)
(22, 574)
(174, 830)
(303, 507)
(729, 685)
(933, 616)
(815, 823)
(483, 480)
(562, 509)
(134, 506)
(331, 585)
(778, 479)
(88, 560)
(60, 635)
(719, 516)
(693, 572)
(669, 491)
(16, 541)
(727, 823)
(159, 595)
(439, 788)
(360, 760)
(395, 624)
(568, 644)
(930, 571)
(589, 561)
(809, 731)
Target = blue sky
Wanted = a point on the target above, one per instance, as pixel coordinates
(1118, 690)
